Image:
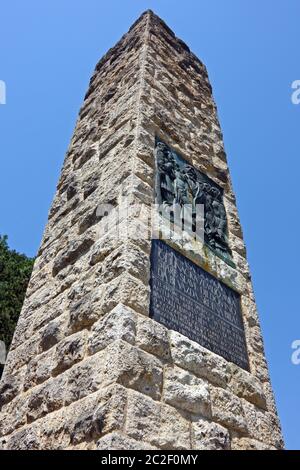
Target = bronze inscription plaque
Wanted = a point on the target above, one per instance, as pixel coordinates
(187, 299)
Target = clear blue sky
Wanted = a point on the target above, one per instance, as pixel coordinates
(48, 51)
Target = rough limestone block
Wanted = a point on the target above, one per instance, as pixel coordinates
(46, 398)
(44, 316)
(133, 368)
(227, 409)
(118, 324)
(37, 406)
(174, 429)
(65, 279)
(83, 446)
(24, 330)
(159, 424)
(117, 441)
(262, 425)
(153, 337)
(73, 252)
(137, 260)
(86, 377)
(249, 311)
(245, 443)
(25, 439)
(70, 351)
(20, 356)
(15, 413)
(138, 189)
(245, 385)
(207, 435)
(143, 417)
(186, 391)
(98, 414)
(127, 290)
(256, 340)
(54, 433)
(233, 218)
(85, 310)
(11, 385)
(4, 428)
(36, 300)
(189, 355)
(258, 366)
(103, 247)
(113, 266)
(39, 369)
(144, 171)
(127, 258)
(270, 399)
(52, 333)
(3, 442)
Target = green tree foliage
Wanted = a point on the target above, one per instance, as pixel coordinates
(15, 271)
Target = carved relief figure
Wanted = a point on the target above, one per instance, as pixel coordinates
(165, 174)
(179, 183)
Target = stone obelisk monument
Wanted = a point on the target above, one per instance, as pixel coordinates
(131, 342)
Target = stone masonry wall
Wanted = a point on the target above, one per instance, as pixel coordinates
(87, 368)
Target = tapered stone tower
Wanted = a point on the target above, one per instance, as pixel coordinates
(125, 342)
